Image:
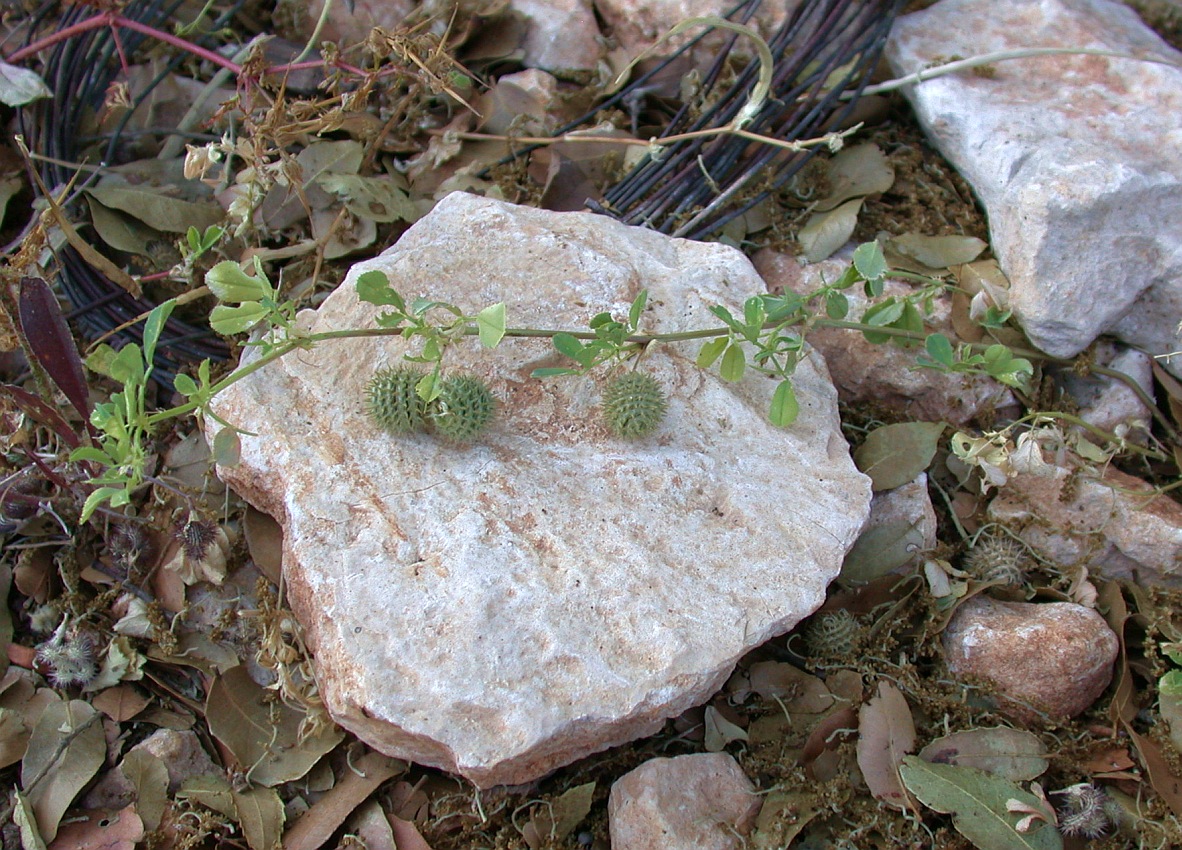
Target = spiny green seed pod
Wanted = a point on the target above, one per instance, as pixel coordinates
(392, 401)
(463, 408)
(833, 634)
(634, 405)
(997, 557)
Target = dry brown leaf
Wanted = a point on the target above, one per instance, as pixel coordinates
(101, 829)
(33, 573)
(719, 731)
(65, 751)
(857, 171)
(823, 738)
(262, 733)
(121, 702)
(21, 704)
(886, 733)
(369, 823)
(1012, 754)
(264, 539)
(150, 778)
(318, 824)
(800, 692)
(554, 821)
(406, 835)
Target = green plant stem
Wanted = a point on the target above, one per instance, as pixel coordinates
(680, 336)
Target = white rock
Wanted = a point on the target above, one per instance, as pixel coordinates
(1075, 159)
(504, 609)
(701, 801)
(1108, 402)
(562, 36)
(883, 376)
(911, 505)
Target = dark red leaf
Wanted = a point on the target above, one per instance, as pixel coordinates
(51, 343)
(43, 414)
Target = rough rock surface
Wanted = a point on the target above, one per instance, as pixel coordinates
(637, 24)
(504, 609)
(701, 801)
(1055, 657)
(1115, 526)
(1074, 158)
(1109, 403)
(562, 35)
(910, 505)
(347, 24)
(883, 375)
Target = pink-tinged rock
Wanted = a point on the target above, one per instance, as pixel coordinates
(885, 376)
(562, 35)
(1074, 157)
(637, 24)
(1053, 657)
(1116, 525)
(694, 802)
(503, 609)
(347, 24)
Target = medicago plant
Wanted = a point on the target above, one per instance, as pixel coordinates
(768, 337)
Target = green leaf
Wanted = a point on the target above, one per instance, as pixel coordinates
(227, 447)
(600, 319)
(568, 345)
(734, 362)
(911, 320)
(977, 802)
(895, 454)
(885, 313)
(373, 287)
(870, 261)
(837, 306)
(428, 387)
(725, 314)
(91, 454)
(754, 314)
(939, 348)
(127, 367)
(780, 307)
(490, 323)
(231, 284)
(154, 325)
(711, 351)
(228, 321)
(638, 305)
(185, 385)
(1172, 651)
(552, 371)
(784, 407)
(97, 497)
(880, 550)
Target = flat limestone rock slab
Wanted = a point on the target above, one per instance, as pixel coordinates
(1074, 157)
(504, 609)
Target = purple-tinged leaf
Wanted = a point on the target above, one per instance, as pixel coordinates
(43, 414)
(51, 343)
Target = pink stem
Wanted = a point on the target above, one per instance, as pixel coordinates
(112, 20)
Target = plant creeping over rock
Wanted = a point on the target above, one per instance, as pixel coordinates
(767, 336)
